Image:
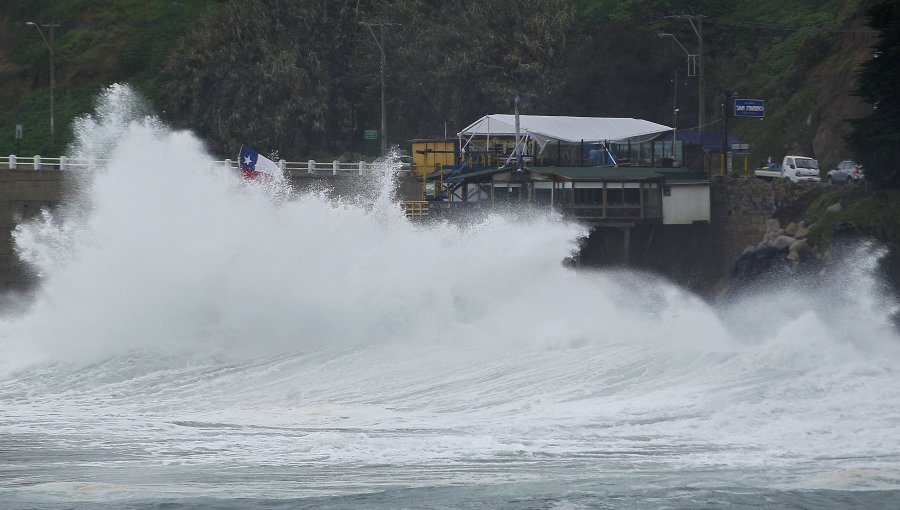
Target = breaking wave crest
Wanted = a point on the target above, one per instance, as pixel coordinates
(243, 324)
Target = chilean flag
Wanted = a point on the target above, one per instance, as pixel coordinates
(252, 165)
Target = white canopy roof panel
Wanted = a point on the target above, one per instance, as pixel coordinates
(567, 129)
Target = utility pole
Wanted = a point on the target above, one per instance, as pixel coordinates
(698, 29)
(723, 150)
(727, 106)
(701, 86)
(380, 43)
(674, 112)
(691, 71)
(674, 123)
(49, 45)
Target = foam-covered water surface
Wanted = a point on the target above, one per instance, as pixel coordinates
(200, 341)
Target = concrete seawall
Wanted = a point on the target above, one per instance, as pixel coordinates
(741, 207)
(697, 256)
(700, 256)
(25, 192)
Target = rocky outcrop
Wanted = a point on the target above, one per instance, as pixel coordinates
(781, 255)
(748, 214)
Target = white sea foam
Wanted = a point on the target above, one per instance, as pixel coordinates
(189, 320)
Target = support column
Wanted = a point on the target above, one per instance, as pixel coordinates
(641, 196)
(572, 198)
(605, 214)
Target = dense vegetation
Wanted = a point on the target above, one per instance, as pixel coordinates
(96, 44)
(873, 214)
(875, 139)
(301, 78)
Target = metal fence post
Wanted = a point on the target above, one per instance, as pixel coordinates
(12, 161)
(63, 162)
(37, 162)
(362, 167)
(334, 167)
(311, 166)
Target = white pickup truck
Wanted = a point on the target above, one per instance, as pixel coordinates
(794, 168)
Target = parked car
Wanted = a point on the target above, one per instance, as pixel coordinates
(847, 172)
(769, 171)
(794, 168)
(800, 169)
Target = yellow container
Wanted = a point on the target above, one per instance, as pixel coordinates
(429, 155)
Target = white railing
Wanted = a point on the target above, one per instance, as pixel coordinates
(313, 167)
(14, 162)
(310, 167)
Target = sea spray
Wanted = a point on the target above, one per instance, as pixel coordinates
(221, 341)
(160, 249)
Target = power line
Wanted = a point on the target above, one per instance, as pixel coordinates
(784, 28)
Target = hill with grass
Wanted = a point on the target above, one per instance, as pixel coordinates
(302, 78)
(95, 44)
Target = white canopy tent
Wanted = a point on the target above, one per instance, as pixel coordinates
(543, 128)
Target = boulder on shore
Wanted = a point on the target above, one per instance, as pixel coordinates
(783, 242)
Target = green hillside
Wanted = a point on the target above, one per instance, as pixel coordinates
(302, 77)
(96, 43)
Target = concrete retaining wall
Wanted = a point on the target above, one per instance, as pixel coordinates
(698, 256)
(23, 193)
(741, 207)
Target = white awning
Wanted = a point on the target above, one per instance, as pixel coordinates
(543, 128)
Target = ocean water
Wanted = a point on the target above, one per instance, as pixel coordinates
(199, 341)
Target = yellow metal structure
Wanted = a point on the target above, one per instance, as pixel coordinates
(415, 208)
(428, 155)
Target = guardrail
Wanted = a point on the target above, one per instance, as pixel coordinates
(14, 162)
(310, 167)
(313, 167)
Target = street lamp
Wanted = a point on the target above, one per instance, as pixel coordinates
(666, 34)
(698, 31)
(380, 44)
(692, 59)
(49, 45)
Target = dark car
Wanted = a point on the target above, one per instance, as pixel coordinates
(847, 172)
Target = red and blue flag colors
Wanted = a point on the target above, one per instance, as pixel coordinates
(253, 164)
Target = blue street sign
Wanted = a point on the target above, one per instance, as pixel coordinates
(749, 108)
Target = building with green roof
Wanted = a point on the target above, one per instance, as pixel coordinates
(596, 195)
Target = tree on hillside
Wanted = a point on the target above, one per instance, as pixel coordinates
(301, 77)
(875, 139)
(456, 61)
(267, 73)
(623, 71)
